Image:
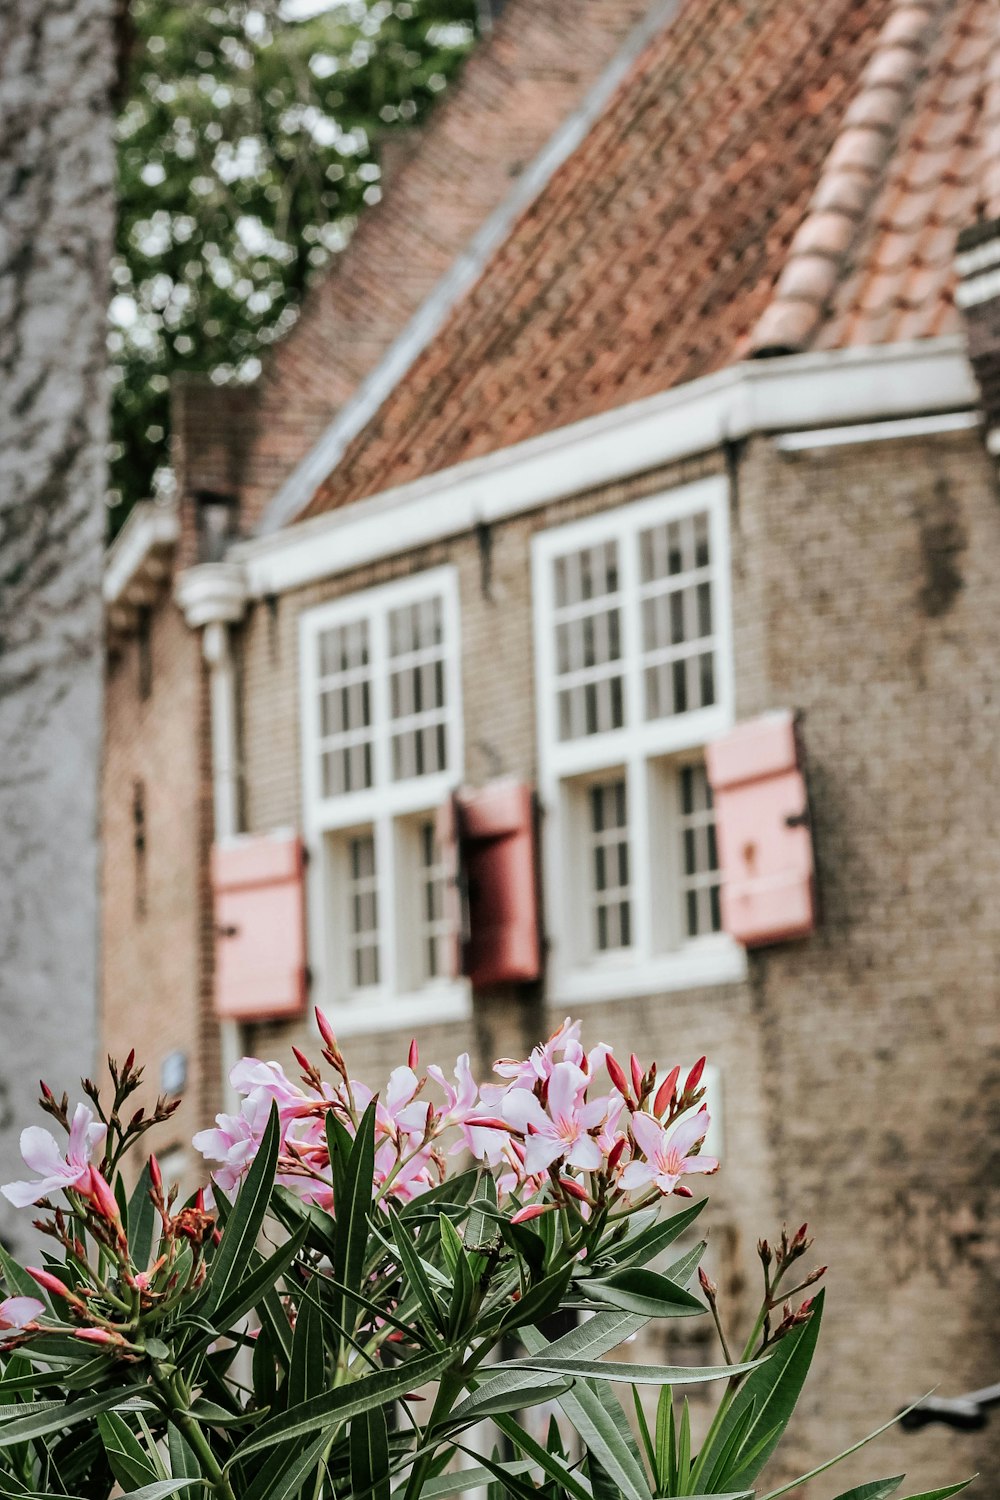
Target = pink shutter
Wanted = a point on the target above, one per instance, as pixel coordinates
(446, 831)
(498, 853)
(763, 832)
(260, 955)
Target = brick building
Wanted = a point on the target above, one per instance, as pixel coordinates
(675, 436)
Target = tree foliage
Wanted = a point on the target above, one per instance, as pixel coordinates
(248, 143)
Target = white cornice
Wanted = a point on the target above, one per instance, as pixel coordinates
(139, 550)
(795, 393)
(212, 594)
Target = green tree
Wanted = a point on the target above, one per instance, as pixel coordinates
(248, 143)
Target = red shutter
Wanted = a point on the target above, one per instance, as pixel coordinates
(763, 832)
(260, 957)
(495, 886)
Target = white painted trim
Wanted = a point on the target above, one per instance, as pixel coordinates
(212, 594)
(878, 432)
(646, 969)
(150, 528)
(461, 276)
(800, 391)
(978, 257)
(982, 288)
(379, 807)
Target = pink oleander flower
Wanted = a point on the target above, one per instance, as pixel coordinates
(19, 1312)
(57, 1172)
(559, 1132)
(667, 1154)
(235, 1140)
(481, 1133)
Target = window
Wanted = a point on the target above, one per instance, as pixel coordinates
(382, 748)
(634, 677)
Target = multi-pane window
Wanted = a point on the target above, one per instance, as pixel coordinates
(699, 879)
(610, 888)
(633, 680)
(362, 905)
(382, 751)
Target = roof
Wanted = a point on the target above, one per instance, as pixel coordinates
(772, 175)
(442, 183)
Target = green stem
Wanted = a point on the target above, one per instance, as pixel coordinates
(449, 1388)
(197, 1440)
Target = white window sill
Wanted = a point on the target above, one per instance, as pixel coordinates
(377, 1010)
(713, 960)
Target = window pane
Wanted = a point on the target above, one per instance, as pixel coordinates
(345, 718)
(699, 864)
(610, 892)
(677, 616)
(433, 928)
(588, 642)
(417, 689)
(362, 911)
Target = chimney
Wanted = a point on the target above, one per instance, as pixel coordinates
(977, 262)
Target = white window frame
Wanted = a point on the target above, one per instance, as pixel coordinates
(386, 808)
(650, 966)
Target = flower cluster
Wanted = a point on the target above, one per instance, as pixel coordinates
(553, 1130)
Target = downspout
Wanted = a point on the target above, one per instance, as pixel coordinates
(213, 599)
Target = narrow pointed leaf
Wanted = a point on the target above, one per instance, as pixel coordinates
(682, 1270)
(875, 1489)
(141, 1220)
(942, 1494)
(183, 1463)
(306, 1374)
(846, 1453)
(353, 1210)
(261, 1279)
(539, 1301)
(243, 1225)
(637, 1290)
(645, 1247)
(285, 1470)
(612, 1369)
(54, 1417)
(333, 1407)
(416, 1275)
(130, 1464)
(774, 1390)
(665, 1442)
(369, 1446)
(462, 1481)
(550, 1463)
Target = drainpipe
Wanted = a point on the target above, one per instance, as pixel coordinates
(212, 597)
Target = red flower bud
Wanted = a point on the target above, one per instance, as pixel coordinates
(102, 1197)
(617, 1074)
(665, 1093)
(533, 1211)
(636, 1074)
(50, 1283)
(694, 1077)
(680, 1191)
(615, 1154)
(302, 1060)
(574, 1189)
(155, 1175)
(414, 1055)
(708, 1286)
(129, 1061)
(326, 1030)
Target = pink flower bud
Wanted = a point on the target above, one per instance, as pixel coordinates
(615, 1154)
(680, 1191)
(50, 1283)
(694, 1077)
(326, 1030)
(708, 1286)
(414, 1055)
(302, 1060)
(533, 1211)
(155, 1175)
(102, 1197)
(98, 1336)
(636, 1074)
(617, 1075)
(665, 1093)
(574, 1189)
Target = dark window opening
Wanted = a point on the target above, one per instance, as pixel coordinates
(139, 845)
(145, 651)
(218, 524)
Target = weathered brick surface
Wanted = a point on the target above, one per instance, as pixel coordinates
(154, 977)
(860, 1068)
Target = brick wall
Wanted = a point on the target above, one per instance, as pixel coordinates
(154, 928)
(860, 1075)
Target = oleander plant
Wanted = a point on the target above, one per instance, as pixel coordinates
(360, 1304)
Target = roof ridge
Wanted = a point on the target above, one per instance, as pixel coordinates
(322, 459)
(848, 181)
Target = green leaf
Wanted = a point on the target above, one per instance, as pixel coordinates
(773, 1390)
(644, 1434)
(369, 1445)
(612, 1369)
(681, 1271)
(550, 1463)
(162, 1488)
(504, 1393)
(652, 1241)
(876, 1489)
(55, 1416)
(339, 1144)
(239, 1237)
(480, 1230)
(942, 1494)
(141, 1220)
(509, 1477)
(307, 1372)
(462, 1481)
(352, 1213)
(416, 1274)
(647, 1292)
(734, 1444)
(285, 1470)
(334, 1407)
(684, 1447)
(183, 1463)
(130, 1464)
(17, 1279)
(666, 1443)
(539, 1301)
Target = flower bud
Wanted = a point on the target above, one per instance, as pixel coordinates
(98, 1336)
(681, 1191)
(764, 1251)
(665, 1093)
(617, 1075)
(413, 1058)
(574, 1189)
(708, 1286)
(52, 1284)
(129, 1062)
(694, 1077)
(636, 1075)
(326, 1031)
(102, 1197)
(533, 1211)
(615, 1154)
(302, 1060)
(155, 1175)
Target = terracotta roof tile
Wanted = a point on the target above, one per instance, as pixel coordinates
(772, 174)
